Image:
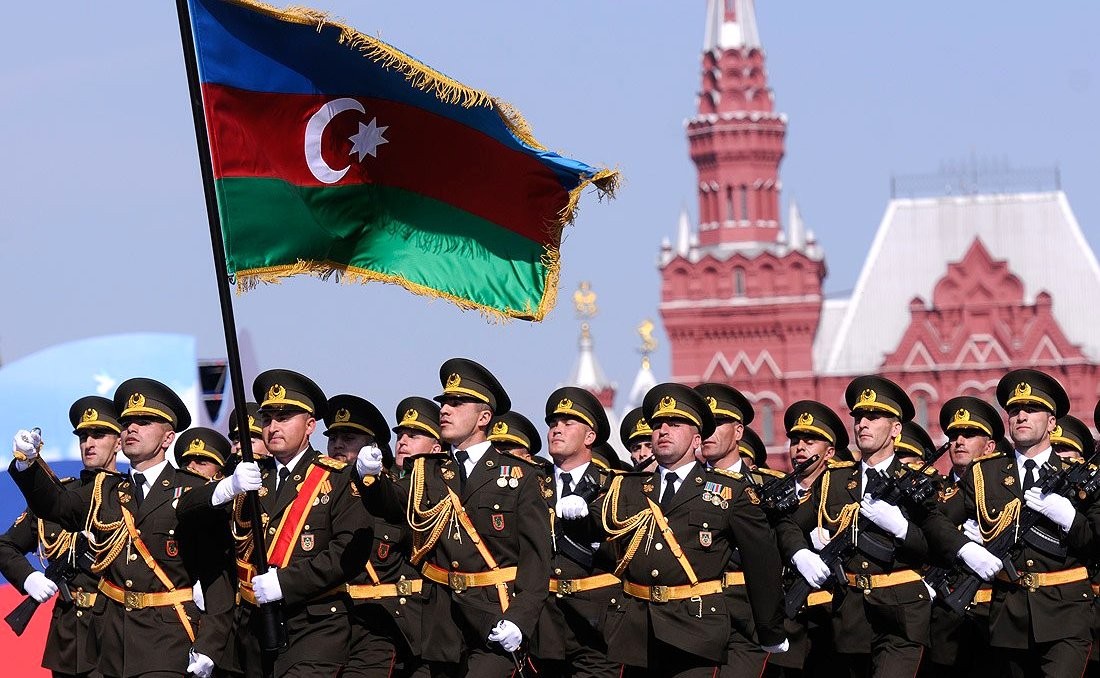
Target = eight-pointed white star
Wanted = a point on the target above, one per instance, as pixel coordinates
(367, 140)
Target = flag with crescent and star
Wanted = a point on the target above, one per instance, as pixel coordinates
(336, 153)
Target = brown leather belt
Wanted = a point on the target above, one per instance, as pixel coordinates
(733, 579)
(819, 598)
(460, 581)
(567, 587)
(1034, 580)
(405, 587)
(663, 594)
(136, 600)
(878, 581)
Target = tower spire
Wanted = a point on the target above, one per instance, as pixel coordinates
(731, 24)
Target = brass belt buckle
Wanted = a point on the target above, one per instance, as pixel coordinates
(863, 581)
(404, 587)
(1030, 580)
(658, 594)
(565, 587)
(134, 600)
(457, 581)
(80, 599)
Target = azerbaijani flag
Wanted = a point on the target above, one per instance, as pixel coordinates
(334, 152)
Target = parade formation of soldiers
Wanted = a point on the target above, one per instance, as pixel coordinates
(447, 545)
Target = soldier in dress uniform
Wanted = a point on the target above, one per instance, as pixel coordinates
(480, 527)
(202, 451)
(149, 558)
(881, 611)
(637, 438)
(514, 434)
(417, 432)
(1072, 439)
(255, 432)
(914, 446)
(960, 642)
(571, 641)
(317, 533)
(812, 429)
(722, 449)
(753, 451)
(381, 644)
(1040, 622)
(72, 641)
(675, 530)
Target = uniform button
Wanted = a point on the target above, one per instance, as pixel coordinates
(864, 565)
(496, 506)
(706, 524)
(713, 609)
(171, 531)
(271, 530)
(401, 601)
(1030, 563)
(306, 528)
(80, 613)
(454, 564)
(129, 583)
(654, 573)
(332, 609)
(658, 546)
(612, 601)
(557, 570)
(133, 556)
(386, 537)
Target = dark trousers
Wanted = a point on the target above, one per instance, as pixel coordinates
(378, 649)
(1065, 658)
(479, 662)
(669, 661)
(744, 658)
(585, 652)
(892, 657)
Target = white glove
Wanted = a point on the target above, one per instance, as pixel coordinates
(977, 558)
(246, 477)
(1053, 506)
(885, 515)
(812, 568)
(778, 648)
(507, 634)
(571, 507)
(820, 538)
(26, 442)
(199, 664)
(196, 595)
(266, 587)
(369, 461)
(970, 529)
(39, 587)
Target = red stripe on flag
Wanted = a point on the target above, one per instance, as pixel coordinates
(257, 134)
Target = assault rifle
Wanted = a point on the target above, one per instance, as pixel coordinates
(910, 487)
(61, 572)
(779, 495)
(1068, 482)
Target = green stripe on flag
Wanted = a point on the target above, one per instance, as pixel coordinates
(274, 229)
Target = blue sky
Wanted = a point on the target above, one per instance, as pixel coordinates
(104, 229)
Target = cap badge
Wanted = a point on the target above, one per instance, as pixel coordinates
(1057, 432)
(136, 400)
(89, 415)
(565, 404)
(500, 428)
(960, 416)
(196, 446)
(641, 426)
(667, 404)
(868, 396)
(805, 419)
(1023, 390)
(276, 392)
(453, 381)
(712, 403)
(342, 416)
(251, 421)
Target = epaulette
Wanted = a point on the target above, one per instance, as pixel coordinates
(770, 472)
(834, 464)
(441, 456)
(728, 473)
(991, 455)
(601, 464)
(1068, 460)
(529, 462)
(193, 474)
(66, 481)
(930, 471)
(330, 463)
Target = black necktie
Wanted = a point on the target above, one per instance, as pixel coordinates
(566, 484)
(139, 487)
(461, 456)
(670, 491)
(284, 473)
(1029, 474)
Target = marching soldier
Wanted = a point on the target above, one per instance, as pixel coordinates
(1072, 439)
(813, 430)
(722, 450)
(959, 642)
(317, 534)
(255, 432)
(637, 438)
(149, 558)
(582, 585)
(753, 451)
(513, 433)
(914, 446)
(202, 451)
(72, 641)
(417, 432)
(1040, 622)
(481, 529)
(881, 611)
(675, 530)
(353, 423)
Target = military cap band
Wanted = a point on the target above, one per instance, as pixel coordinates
(136, 407)
(1031, 387)
(905, 445)
(809, 427)
(464, 378)
(413, 422)
(419, 414)
(141, 397)
(962, 420)
(565, 406)
(94, 412)
(1058, 437)
(276, 397)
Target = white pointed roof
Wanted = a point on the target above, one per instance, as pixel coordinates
(643, 381)
(586, 371)
(1036, 233)
(683, 234)
(796, 229)
(737, 33)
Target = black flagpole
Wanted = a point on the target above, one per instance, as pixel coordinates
(274, 633)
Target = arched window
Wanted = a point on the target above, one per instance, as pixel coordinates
(729, 203)
(920, 405)
(738, 282)
(767, 422)
(744, 202)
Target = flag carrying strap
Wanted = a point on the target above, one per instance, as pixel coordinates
(290, 526)
(468, 526)
(673, 545)
(143, 550)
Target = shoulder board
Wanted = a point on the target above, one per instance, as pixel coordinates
(330, 463)
(600, 463)
(770, 472)
(66, 481)
(930, 471)
(729, 474)
(991, 455)
(833, 463)
(1068, 460)
(633, 474)
(188, 472)
(437, 456)
(512, 457)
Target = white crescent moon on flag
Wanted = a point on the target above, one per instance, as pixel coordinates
(315, 128)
